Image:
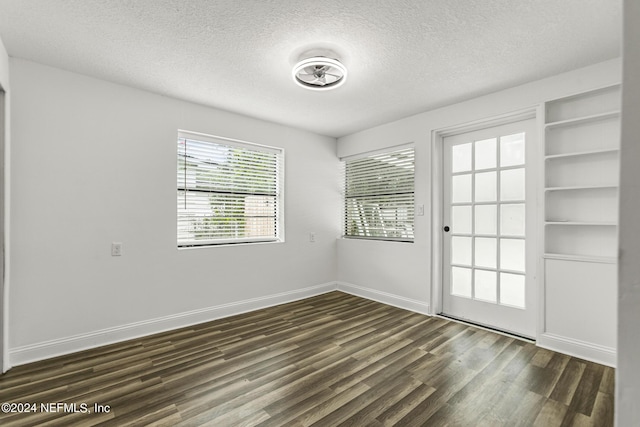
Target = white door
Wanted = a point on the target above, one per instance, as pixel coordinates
(489, 227)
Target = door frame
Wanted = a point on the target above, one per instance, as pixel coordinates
(437, 206)
(4, 294)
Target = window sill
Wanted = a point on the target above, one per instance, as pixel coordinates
(377, 239)
(228, 244)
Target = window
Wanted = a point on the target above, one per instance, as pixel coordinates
(228, 191)
(379, 196)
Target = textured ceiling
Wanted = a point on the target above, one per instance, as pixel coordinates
(403, 56)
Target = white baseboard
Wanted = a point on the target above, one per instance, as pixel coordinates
(58, 347)
(385, 298)
(583, 350)
(72, 344)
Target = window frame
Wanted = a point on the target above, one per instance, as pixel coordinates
(410, 206)
(225, 142)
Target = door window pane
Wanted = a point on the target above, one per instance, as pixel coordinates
(461, 282)
(461, 188)
(461, 219)
(485, 285)
(512, 221)
(485, 220)
(461, 158)
(512, 184)
(486, 187)
(485, 252)
(512, 254)
(461, 250)
(485, 154)
(512, 150)
(512, 290)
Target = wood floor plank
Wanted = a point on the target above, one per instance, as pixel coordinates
(587, 390)
(527, 409)
(607, 385)
(203, 408)
(391, 395)
(545, 384)
(359, 376)
(334, 359)
(424, 410)
(400, 409)
(286, 409)
(568, 383)
(504, 403)
(478, 396)
(602, 414)
(542, 357)
(392, 369)
(318, 412)
(551, 414)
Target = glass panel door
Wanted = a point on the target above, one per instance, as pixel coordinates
(489, 256)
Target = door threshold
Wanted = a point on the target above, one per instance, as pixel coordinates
(487, 328)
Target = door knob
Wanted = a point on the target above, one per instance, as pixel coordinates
(446, 228)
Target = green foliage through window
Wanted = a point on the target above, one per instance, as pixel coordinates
(228, 191)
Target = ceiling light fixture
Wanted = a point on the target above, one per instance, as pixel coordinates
(319, 73)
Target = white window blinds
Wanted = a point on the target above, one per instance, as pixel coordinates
(379, 196)
(228, 191)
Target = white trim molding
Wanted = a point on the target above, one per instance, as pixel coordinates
(385, 298)
(58, 347)
(583, 350)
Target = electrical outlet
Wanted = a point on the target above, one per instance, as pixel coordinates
(420, 210)
(312, 237)
(116, 249)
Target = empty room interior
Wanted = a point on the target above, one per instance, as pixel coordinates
(366, 213)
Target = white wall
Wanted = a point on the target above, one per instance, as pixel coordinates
(401, 272)
(628, 372)
(4, 300)
(95, 162)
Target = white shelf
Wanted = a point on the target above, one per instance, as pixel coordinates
(581, 187)
(566, 257)
(582, 120)
(591, 205)
(584, 106)
(588, 223)
(581, 239)
(594, 169)
(582, 94)
(584, 137)
(582, 153)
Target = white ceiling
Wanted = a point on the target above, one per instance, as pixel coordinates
(403, 56)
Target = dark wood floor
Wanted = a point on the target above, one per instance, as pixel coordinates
(330, 360)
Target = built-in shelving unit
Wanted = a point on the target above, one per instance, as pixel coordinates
(580, 209)
(581, 153)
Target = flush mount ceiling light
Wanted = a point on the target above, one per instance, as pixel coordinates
(319, 73)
